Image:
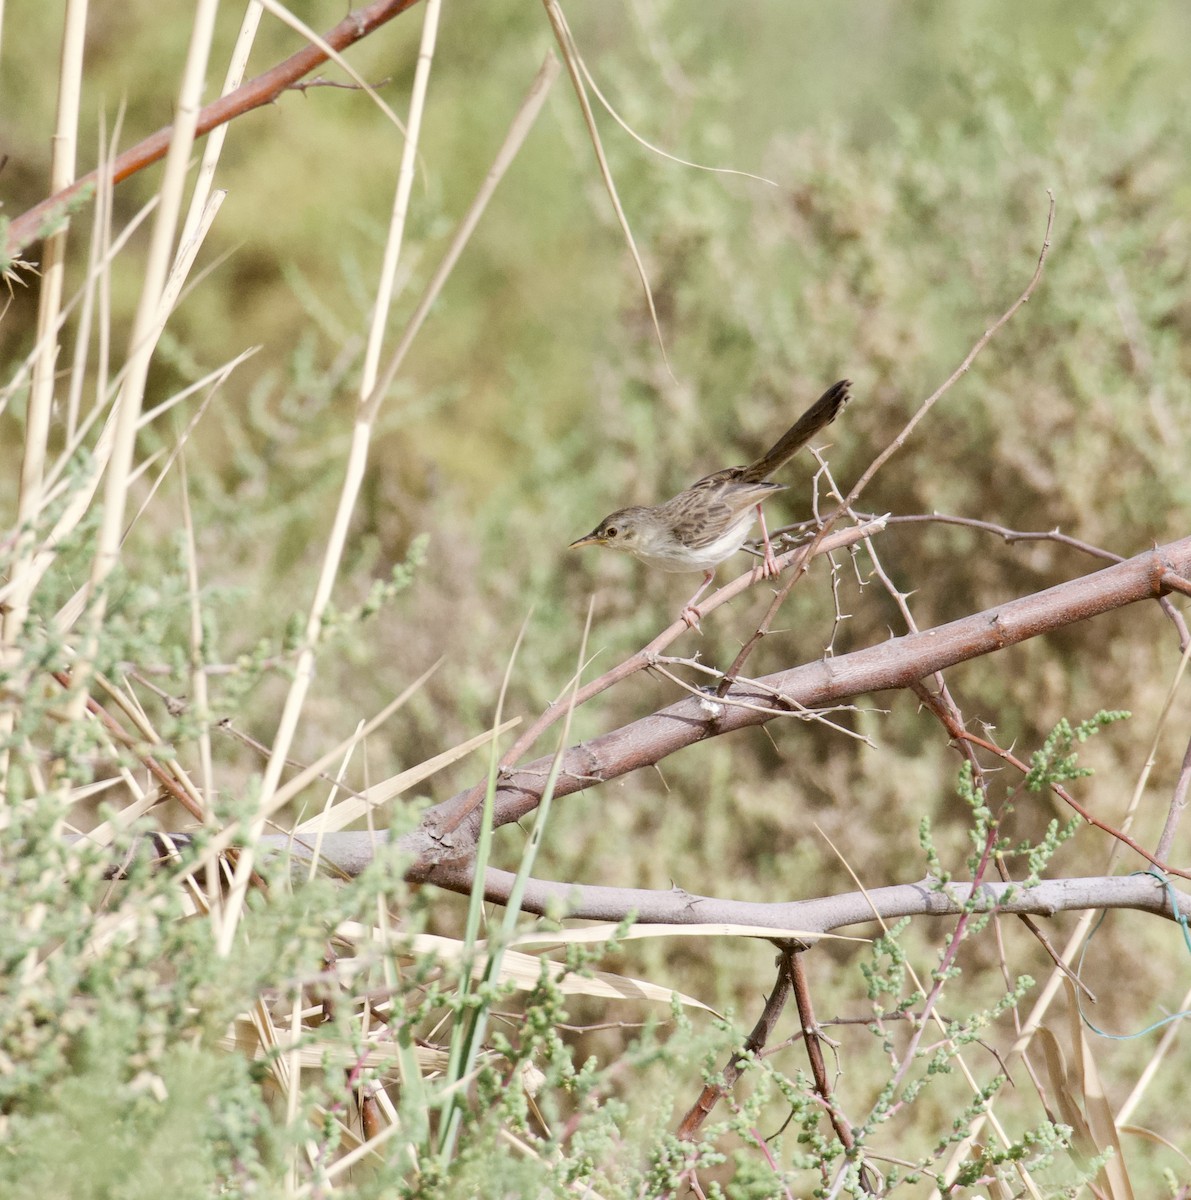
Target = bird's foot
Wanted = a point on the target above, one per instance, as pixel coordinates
(768, 567)
(691, 616)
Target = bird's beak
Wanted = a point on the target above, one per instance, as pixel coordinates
(590, 540)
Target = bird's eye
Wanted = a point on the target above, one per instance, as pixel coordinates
(611, 531)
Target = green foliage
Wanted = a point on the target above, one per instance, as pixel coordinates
(1055, 762)
(192, 1118)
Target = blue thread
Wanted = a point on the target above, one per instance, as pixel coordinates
(1172, 900)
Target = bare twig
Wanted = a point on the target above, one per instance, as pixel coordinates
(785, 709)
(944, 696)
(574, 61)
(929, 403)
(1178, 803)
(812, 1034)
(1006, 534)
(1049, 535)
(714, 1092)
(848, 502)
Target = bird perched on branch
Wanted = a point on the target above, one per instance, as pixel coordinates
(701, 527)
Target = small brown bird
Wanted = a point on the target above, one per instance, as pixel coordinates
(699, 528)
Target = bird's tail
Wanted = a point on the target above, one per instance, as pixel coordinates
(824, 410)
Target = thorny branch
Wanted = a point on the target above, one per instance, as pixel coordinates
(444, 827)
(1048, 535)
(448, 830)
(643, 659)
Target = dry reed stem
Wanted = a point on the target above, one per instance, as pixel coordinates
(332, 558)
(405, 181)
(519, 129)
(213, 149)
(41, 395)
(576, 70)
(146, 325)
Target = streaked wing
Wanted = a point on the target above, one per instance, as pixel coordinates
(705, 512)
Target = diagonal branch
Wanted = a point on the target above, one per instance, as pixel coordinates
(37, 221)
(645, 658)
(897, 663)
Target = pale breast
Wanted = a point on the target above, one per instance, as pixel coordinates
(677, 557)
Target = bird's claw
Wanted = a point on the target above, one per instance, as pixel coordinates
(767, 568)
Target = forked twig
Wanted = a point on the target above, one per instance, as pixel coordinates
(755, 1042)
(1056, 535)
(811, 1036)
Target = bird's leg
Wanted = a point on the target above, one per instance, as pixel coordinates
(767, 568)
(690, 614)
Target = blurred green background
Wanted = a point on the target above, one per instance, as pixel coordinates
(911, 147)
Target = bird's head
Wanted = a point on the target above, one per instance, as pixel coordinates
(621, 530)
